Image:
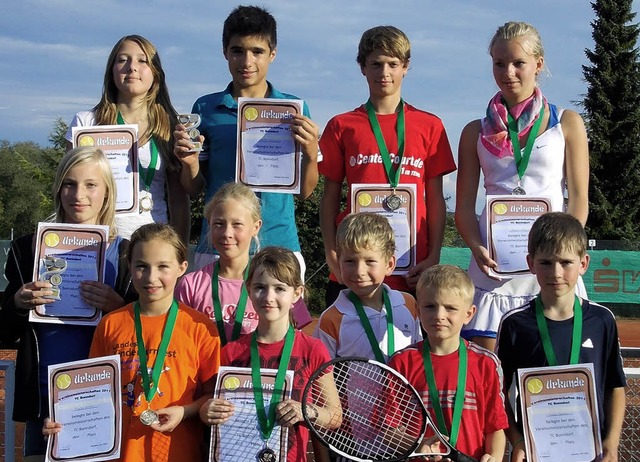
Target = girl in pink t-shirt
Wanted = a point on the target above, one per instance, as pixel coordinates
(218, 289)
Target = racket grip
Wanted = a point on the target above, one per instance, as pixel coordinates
(457, 456)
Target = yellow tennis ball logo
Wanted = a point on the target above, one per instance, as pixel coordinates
(52, 240)
(231, 383)
(251, 114)
(500, 209)
(364, 199)
(535, 386)
(86, 140)
(63, 381)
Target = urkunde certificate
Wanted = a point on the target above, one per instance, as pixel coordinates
(560, 413)
(119, 143)
(66, 255)
(509, 220)
(239, 438)
(374, 198)
(85, 397)
(268, 159)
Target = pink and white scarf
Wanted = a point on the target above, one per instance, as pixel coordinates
(495, 133)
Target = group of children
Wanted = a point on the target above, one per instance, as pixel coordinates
(247, 308)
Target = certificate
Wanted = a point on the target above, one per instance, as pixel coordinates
(560, 413)
(85, 397)
(238, 439)
(268, 159)
(66, 255)
(509, 220)
(373, 198)
(120, 145)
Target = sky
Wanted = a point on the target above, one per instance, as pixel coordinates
(53, 54)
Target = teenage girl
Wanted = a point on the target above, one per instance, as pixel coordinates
(135, 92)
(164, 387)
(83, 193)
(558, 167)
(275, 284)
(218, 289)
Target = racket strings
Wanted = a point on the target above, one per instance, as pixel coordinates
(382, 418)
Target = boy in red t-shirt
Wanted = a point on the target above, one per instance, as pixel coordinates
(409, 148)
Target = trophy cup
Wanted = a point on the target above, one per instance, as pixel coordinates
(191, 122)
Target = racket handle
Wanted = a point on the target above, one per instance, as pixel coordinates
(457, 456)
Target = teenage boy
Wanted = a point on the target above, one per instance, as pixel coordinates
(436, 367)
(558, 257)
(249, 45)
(388, 143)
(368, 318)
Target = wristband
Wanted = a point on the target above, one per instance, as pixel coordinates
(521, 440)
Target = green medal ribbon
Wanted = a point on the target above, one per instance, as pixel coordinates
(146, 174)
(434, 395)
(522, 159)
(393, 177)
(217, 306)
(267, 419)
(576, 338)
(150, 385)
(364, 320)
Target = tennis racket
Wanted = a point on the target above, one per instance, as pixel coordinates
(383, 416)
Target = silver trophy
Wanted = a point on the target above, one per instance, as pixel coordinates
(191, 122)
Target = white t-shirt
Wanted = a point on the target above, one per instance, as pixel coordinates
(127, 223)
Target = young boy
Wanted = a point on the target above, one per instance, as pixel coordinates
(249, 46)
(366, 313)
(419, 147)
(445, 302)
(557, 256)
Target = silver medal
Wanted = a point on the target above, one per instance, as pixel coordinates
(146, 204)
(149, 417)
(393, 202)
(518, 191)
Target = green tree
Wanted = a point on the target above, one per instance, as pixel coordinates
(612, 114)
(26, 176)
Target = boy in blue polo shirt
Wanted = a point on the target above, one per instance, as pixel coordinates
(249, 46)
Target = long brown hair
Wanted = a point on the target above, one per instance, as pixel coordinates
(161, 113)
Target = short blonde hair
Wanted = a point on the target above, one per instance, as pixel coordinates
(80, 156)
(366, 230)
(388, 40)
(513, 30)
(447, 278)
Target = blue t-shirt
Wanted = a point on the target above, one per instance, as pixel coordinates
(219, 117)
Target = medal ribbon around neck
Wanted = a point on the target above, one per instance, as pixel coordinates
(393, 177)
(217, 306)
(364, 320)
(522, 158)
(150, 385)
(434, 395)
(146, 174)
(576, 338)
(267, 419)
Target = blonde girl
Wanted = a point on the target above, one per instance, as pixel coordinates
(275, 284)
(135, 92)
(170, 354)
(83, 193)
(558, 166)
(218, 289)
